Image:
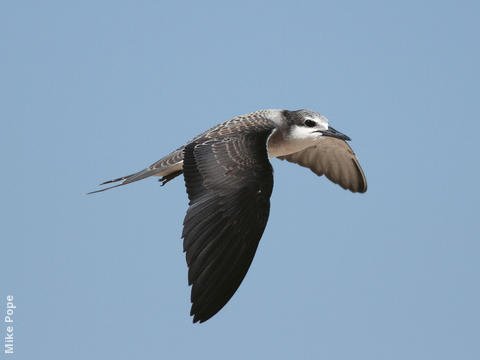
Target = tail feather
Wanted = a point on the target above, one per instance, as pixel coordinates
(117, 179)
(108, 188)
(145, 173)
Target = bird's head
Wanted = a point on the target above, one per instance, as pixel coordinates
(309, 125)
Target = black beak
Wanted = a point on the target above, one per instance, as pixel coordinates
(336, 134)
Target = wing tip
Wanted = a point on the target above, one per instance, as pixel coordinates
(200, 318)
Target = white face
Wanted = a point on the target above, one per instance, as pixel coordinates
(310, 130)
(299, 136)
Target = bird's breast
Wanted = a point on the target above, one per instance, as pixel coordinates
(279, 145)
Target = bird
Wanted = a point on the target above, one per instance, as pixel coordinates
(229, 181)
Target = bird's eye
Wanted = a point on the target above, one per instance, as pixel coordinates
(310, 123)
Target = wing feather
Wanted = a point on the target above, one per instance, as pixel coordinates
(229, 181)
(335, 159)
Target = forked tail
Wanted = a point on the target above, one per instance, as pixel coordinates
(168, 167)
(128, 179)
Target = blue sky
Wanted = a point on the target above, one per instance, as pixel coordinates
(95, 90)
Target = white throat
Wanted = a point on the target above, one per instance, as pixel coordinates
(281, 145)
(290, 138)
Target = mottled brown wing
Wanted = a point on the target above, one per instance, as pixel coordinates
(229, 181)
(169, 160)
(335, 159)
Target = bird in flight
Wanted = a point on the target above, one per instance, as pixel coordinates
(229, 180)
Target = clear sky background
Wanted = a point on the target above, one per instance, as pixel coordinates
(93, 90)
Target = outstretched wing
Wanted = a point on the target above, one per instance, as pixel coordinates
(334, 158)
(229, 181)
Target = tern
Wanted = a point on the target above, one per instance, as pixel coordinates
(229, 180)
